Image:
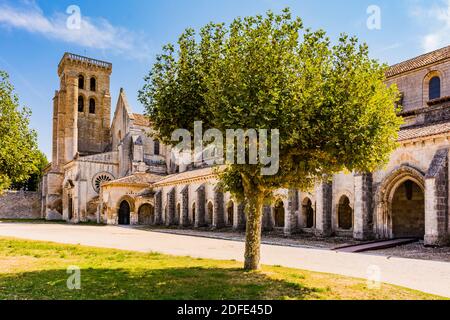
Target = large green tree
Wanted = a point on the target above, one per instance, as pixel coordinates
(19, 155)
(329, 102)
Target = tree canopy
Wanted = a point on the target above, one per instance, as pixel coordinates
(19, 154)
(329, 102)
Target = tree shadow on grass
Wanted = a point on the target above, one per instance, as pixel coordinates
(155, 284)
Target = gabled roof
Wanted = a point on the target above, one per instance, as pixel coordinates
(419, 62)
(192, 174)
(139, 178)
(141, 120)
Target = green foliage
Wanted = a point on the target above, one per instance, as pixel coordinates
(19, 156)
(330, 102)
(32, 183)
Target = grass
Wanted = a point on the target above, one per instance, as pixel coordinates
(38, 270)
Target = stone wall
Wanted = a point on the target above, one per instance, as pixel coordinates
(20, 205)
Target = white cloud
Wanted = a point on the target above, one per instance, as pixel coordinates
(95, 33)
(437, 19)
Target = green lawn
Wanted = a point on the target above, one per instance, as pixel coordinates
(37, 270)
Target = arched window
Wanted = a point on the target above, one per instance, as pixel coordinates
(156, 148)
(93, 84)
(80, 82)
(92, 105)
(308, 213)
(80, 104)
(345, 214)
(434, 88)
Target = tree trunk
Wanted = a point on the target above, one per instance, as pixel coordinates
(253, 231)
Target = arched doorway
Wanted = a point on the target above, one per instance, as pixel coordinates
(230, 213)
(146, 214)
(124, 213)
(308, 213)
(209, 213)
(408, 211)
(345, 214)
(279, 214)
(70, 207)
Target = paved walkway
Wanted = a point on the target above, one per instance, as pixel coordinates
(427, 276)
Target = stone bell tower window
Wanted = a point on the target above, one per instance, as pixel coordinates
(80, 82)
(93, 84)
(92, 106)
(80, 104)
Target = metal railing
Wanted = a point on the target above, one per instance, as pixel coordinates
(77, 57)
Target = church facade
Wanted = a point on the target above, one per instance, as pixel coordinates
(113, 171)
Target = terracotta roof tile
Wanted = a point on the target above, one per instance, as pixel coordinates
(423, 131)
(419, 62)
(141, 120)
(138, 178)
(187, 175)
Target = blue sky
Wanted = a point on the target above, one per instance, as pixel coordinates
(34, 36)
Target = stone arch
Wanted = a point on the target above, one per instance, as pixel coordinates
(146, 214)
(209, 212)
(308, 212)
(230, 213)
(386, 193)
(280, 213)
(124, 213)
(344, 213)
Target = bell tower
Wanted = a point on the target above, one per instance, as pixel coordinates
(81, 109)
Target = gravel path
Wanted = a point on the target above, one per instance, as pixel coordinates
(427, 276)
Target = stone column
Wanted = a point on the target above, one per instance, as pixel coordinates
(185, 207)
(158, 208)
(436, 200)
(71, 116)
(240, 222)
(170, 219)
(290, 218)
(219, 212)
(324, 196)
(363, 207)
(200, 207)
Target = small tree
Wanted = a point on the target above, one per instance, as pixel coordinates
(19, 155)
(329, 102)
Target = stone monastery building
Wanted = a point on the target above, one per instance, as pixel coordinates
(113, 172)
